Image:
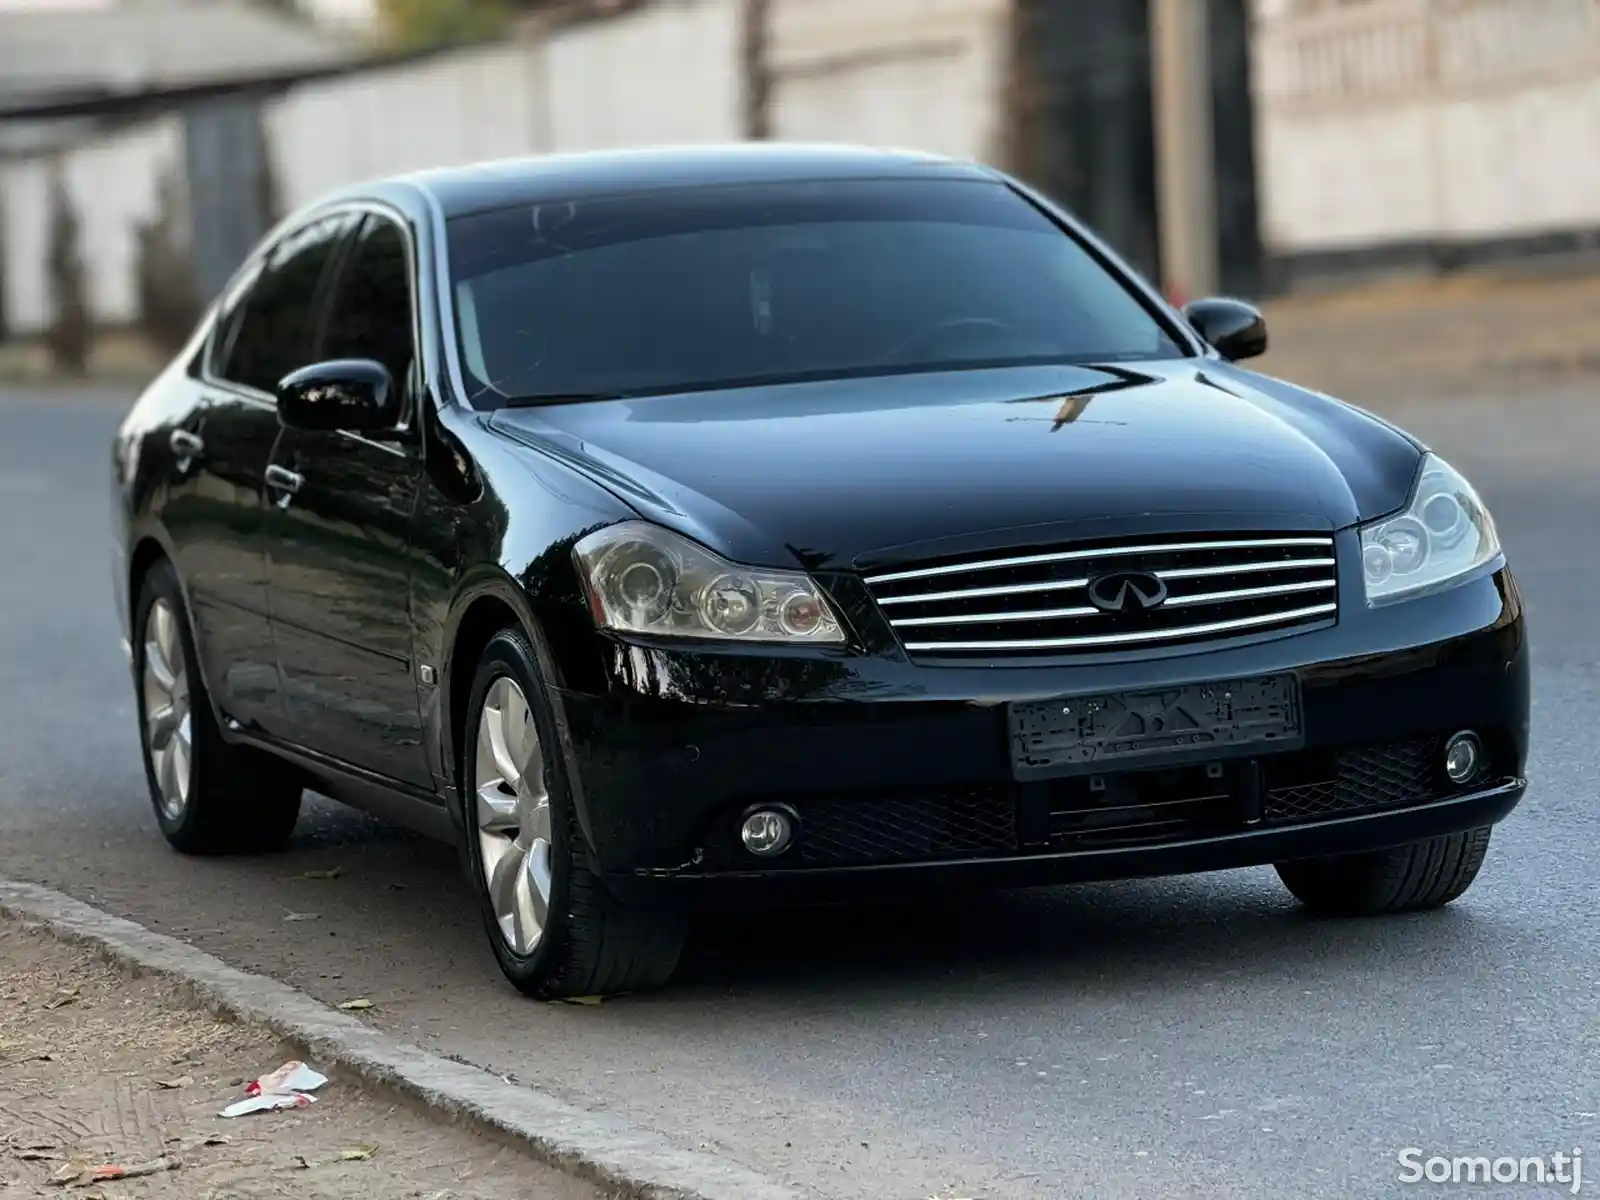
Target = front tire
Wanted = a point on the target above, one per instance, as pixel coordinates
(555, 929)
(1412, 878)
(209, 797)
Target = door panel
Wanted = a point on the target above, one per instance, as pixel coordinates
(215, 511)
(339, 576)
(215, 518)
(340, 601)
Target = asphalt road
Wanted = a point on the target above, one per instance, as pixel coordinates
(1181, 1037)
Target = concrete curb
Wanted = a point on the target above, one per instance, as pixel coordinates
(641, 1164)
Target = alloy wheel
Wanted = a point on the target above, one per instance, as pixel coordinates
(169, 729)
(513, 816)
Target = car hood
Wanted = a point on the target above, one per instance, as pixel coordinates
(861, 472)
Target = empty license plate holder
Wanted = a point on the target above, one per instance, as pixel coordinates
(1158, 727)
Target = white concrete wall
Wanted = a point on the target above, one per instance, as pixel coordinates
(928, 74)
(1405, 119)
(113, 185)
(1384, 121)
(668, 73)
(479, 104)
(663, 75)
(355, 16)
(921, 74)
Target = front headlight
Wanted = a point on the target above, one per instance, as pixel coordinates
(1444, 533)
(645, 579)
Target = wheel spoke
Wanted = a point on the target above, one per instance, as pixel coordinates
(538, 876)
(493, 848)
(497, 812)
(179, 758)
(164, 723)
(530, 911)
(166, 777)
(520, 740)
(157, 667)
(503, 893)
(531, 787)
(167, 636)
(494, 723)
(536, 823)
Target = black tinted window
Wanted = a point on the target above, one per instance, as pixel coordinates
(716, 286)
(275, 333)
(229, 309)
(371, 312)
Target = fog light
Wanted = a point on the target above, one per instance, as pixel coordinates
(767, 832)
(1463, 755)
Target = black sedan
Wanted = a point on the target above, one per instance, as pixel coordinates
(778, 525)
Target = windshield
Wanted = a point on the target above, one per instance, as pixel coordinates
(717, 287)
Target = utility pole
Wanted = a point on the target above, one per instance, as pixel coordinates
(1186, 181)
(757, 18)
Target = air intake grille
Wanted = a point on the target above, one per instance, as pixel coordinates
(965, 823)
(1038, 602)
(1390, 775)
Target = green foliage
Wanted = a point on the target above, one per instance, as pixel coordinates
(418, 24)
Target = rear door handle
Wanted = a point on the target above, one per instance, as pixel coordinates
(186, 445)
(281, 479)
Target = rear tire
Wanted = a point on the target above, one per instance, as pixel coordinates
(209, 797)
(555, 928)
(1412, 878)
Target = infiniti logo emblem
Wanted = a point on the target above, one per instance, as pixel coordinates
(1127, 591)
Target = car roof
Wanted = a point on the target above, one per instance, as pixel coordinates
(509, 182)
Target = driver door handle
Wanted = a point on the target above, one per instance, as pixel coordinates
(281, 479)
(185, 444)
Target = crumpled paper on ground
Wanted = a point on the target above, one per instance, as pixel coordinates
(287, 1087)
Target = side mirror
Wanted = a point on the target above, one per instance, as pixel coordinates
(352, 394)
(1236, 330)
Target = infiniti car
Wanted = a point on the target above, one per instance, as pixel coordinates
(753, 525)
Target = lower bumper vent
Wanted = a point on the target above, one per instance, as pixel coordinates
(1142, 808)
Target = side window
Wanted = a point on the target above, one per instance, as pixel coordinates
(275, 330)
(229, 309)
(370, 316)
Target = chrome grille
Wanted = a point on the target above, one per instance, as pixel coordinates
(1036, 603)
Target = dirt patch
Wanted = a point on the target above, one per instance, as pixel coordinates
(1480, 333)
(98, 1068)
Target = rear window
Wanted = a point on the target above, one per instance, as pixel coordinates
(717, 287)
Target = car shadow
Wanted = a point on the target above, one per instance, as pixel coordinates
(1182, 931)
(1234, 929)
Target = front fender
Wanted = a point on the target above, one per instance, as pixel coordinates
(488, 596)
(492, 542)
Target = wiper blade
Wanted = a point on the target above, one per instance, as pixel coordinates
(553, 398)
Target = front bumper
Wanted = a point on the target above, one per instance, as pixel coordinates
(901, 773)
